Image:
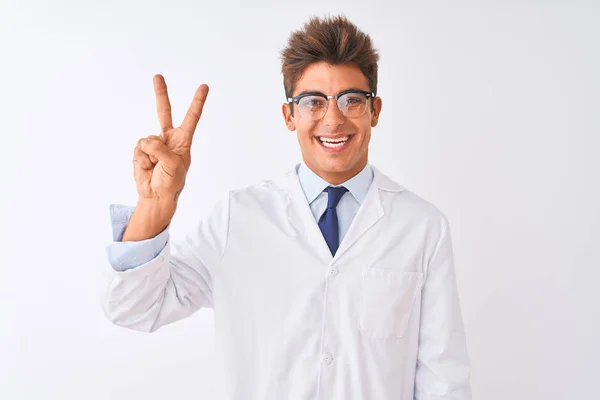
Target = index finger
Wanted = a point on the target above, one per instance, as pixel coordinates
(163, 105)
(195, 111)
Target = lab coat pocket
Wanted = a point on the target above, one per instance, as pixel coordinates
(386, 301)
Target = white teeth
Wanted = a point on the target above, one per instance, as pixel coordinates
(333, 143)
(333, 146)
(339, 140)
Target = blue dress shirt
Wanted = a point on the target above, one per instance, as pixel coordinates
(127, 255)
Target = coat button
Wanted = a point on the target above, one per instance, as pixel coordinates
(333, 271)
(327, 358)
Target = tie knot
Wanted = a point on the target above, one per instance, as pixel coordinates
(334, 195)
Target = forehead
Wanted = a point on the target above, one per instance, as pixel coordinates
(331, 79)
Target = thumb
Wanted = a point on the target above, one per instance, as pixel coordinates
(157, 149)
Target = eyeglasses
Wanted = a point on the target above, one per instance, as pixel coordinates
(313, 105)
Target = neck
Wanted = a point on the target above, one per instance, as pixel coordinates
(338, 177)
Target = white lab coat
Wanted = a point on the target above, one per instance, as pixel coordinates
(380, 320)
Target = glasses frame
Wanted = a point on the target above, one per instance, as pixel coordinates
(296, 100)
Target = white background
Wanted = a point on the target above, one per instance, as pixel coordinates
(490, 111)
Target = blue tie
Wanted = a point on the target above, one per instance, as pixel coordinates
(329, 220)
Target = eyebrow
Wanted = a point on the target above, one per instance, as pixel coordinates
(316, 92)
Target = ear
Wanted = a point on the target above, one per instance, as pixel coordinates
(376, 111)
(287, 116)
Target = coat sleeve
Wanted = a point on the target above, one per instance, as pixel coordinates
(173, 285)
(443, 370)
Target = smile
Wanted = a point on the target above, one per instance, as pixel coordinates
(334, 145)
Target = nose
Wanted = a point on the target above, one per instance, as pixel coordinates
(333, 117)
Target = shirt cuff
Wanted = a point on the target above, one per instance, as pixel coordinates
(127, 255)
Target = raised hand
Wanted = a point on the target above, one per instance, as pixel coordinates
(161, 161)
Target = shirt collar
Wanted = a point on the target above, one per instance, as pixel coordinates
(312, 184)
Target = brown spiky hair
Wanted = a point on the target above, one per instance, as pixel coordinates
(334, 40)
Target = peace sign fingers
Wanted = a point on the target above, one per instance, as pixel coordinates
(163, 105)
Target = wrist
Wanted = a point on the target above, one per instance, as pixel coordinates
(157, 212)
(150, 217)
(157, 206)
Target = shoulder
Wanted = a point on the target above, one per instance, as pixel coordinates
(405, 203)
(264, 191)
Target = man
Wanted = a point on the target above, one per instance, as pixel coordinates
(331, 282)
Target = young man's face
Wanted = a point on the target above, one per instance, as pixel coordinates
(334, 162)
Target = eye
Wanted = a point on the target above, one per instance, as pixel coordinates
(313, 102)
(353, 101)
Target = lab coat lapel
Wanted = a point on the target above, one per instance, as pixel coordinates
(370, 212)
(303, 220)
